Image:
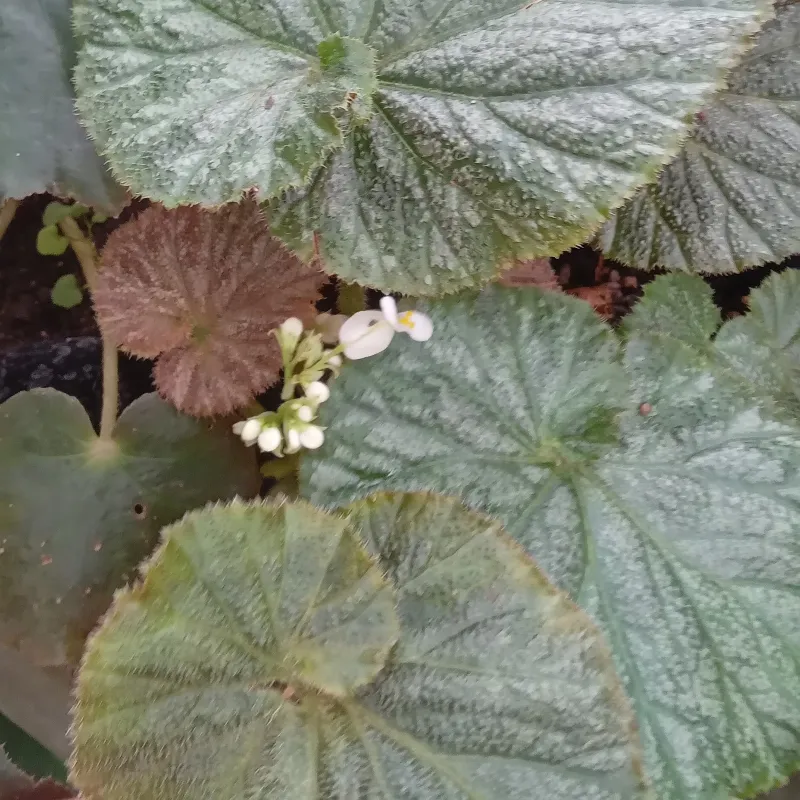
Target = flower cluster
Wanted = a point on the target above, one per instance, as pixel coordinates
(305, 361)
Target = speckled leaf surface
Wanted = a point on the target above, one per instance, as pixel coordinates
(731, 199)
(760, 348)
(649, 485)
(43, 147)
(76, 517)
(194, 101)
(764, 345)
(496, 130)
(496, 687)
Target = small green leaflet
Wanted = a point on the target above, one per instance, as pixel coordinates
(650, 484)
(66, 292)
(485, 682)
(77, 514)
(467, 134)
(43, 147)
(731, 199)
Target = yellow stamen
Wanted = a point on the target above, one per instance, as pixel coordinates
(405, 319)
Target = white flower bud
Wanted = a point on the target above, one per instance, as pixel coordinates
(305, 413)
(250, 430)
(335, 360)
(317, 391)
(269, 439)
(292, 327)
(292, 441)
(312, 437)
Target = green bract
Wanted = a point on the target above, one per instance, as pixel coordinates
(43, 147)
(496, 686)
(430, 144)
(652, 484)
(78, 513)
(731, 199)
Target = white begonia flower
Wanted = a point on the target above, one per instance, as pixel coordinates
(368, 333)
(312, 437)
(335, 360)
(249, 430)
(317, 391)
(269, 439)
(416, 324)
(292, 441)
(305, 413)
(292, 327)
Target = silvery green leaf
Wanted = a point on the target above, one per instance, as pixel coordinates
(650, 484)
(483, 131)
(731, 199)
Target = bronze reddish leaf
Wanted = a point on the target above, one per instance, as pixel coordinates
(201, 290)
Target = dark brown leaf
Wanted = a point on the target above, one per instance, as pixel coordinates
(202, 289)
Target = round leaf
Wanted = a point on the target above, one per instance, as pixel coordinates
(658, 492)
(43, 147)
(77, 513)
(50, 242)
(66, 292)
(193, 102)
(497, 686)
(489, 130)
(731, 199)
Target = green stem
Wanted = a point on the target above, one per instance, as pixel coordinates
(7, 211)
(87, 257)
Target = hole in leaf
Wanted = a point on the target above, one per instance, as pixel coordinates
(139, 510)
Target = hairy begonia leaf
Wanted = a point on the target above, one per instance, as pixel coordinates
(487, 130)
(496, 686)
(761, 347)
(731, 199)
(203, 290)
(654, 488)
(78, 513)
(195, 102)
(43, 147)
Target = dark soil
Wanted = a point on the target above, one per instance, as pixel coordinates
(42, 345)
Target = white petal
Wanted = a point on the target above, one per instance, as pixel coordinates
(318, 392)
(269, 439)
(312, 437)
(292, 326)
(292, 441)
(250, 430)
(389, 308)
(334, 360)
(365, 334)
(238, 427)
(421, 327)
